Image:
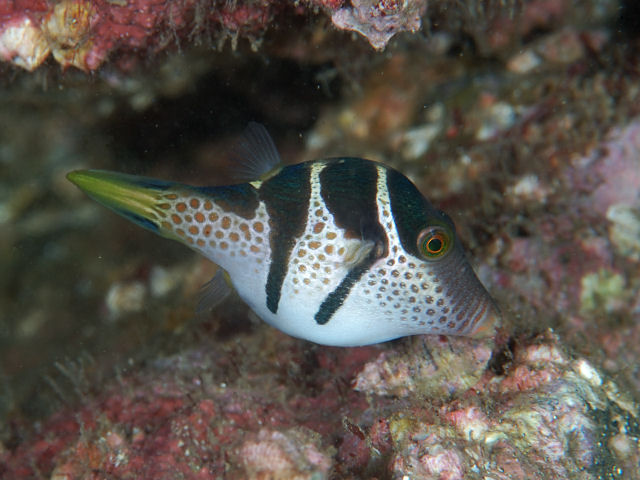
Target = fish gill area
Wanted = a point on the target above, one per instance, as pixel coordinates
(520, 118)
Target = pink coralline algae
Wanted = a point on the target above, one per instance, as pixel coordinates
(83, 33)
(379, 20)
(193, 416)
(544, 415)
(569, 255)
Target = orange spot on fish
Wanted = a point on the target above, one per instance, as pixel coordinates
(234, 237)
(331, 235)
(164, 206)
(193, 230)
(328, 249)
(213, 217)
(200, 242)
(258, 227)
(224, 245)
(171, 196)
(194, 202)
(318, 227)
(208, 205)
(254, 249)
(226, 223)
(206, 230)
(199, 217)
(314, 245)
(181, 207)
(176, 219)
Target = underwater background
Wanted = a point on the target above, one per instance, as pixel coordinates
(520, 118)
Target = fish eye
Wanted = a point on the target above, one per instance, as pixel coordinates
(434, 242)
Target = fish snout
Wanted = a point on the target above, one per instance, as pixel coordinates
(488, 320)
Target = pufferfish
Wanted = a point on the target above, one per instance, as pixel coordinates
(339, 251)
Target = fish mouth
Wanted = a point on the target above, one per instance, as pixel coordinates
(486, 320)
(131, 196)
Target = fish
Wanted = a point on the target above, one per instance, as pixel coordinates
(338, 251)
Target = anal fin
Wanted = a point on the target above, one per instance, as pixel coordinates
(213, 292)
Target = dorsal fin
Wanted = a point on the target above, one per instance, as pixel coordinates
(255, 154)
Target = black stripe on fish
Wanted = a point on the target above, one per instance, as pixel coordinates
(335, 299)
(241, 200)
(411, 211)
(286, 196)
(349, 191)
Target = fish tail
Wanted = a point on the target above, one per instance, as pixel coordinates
(139, 199)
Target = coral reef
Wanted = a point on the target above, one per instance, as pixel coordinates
(197, 417)
(547, 415)
(521, 119)
(83, 34)
(87, 34)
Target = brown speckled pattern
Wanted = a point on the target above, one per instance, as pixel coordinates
(207, 227)
(320, 255)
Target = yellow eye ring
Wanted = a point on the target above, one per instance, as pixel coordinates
(434, 242)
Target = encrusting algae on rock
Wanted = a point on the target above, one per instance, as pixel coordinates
(341, 251)
(548, 415)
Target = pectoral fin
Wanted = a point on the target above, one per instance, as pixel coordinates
(357, 251)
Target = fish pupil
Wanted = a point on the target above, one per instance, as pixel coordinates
(434, 245)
